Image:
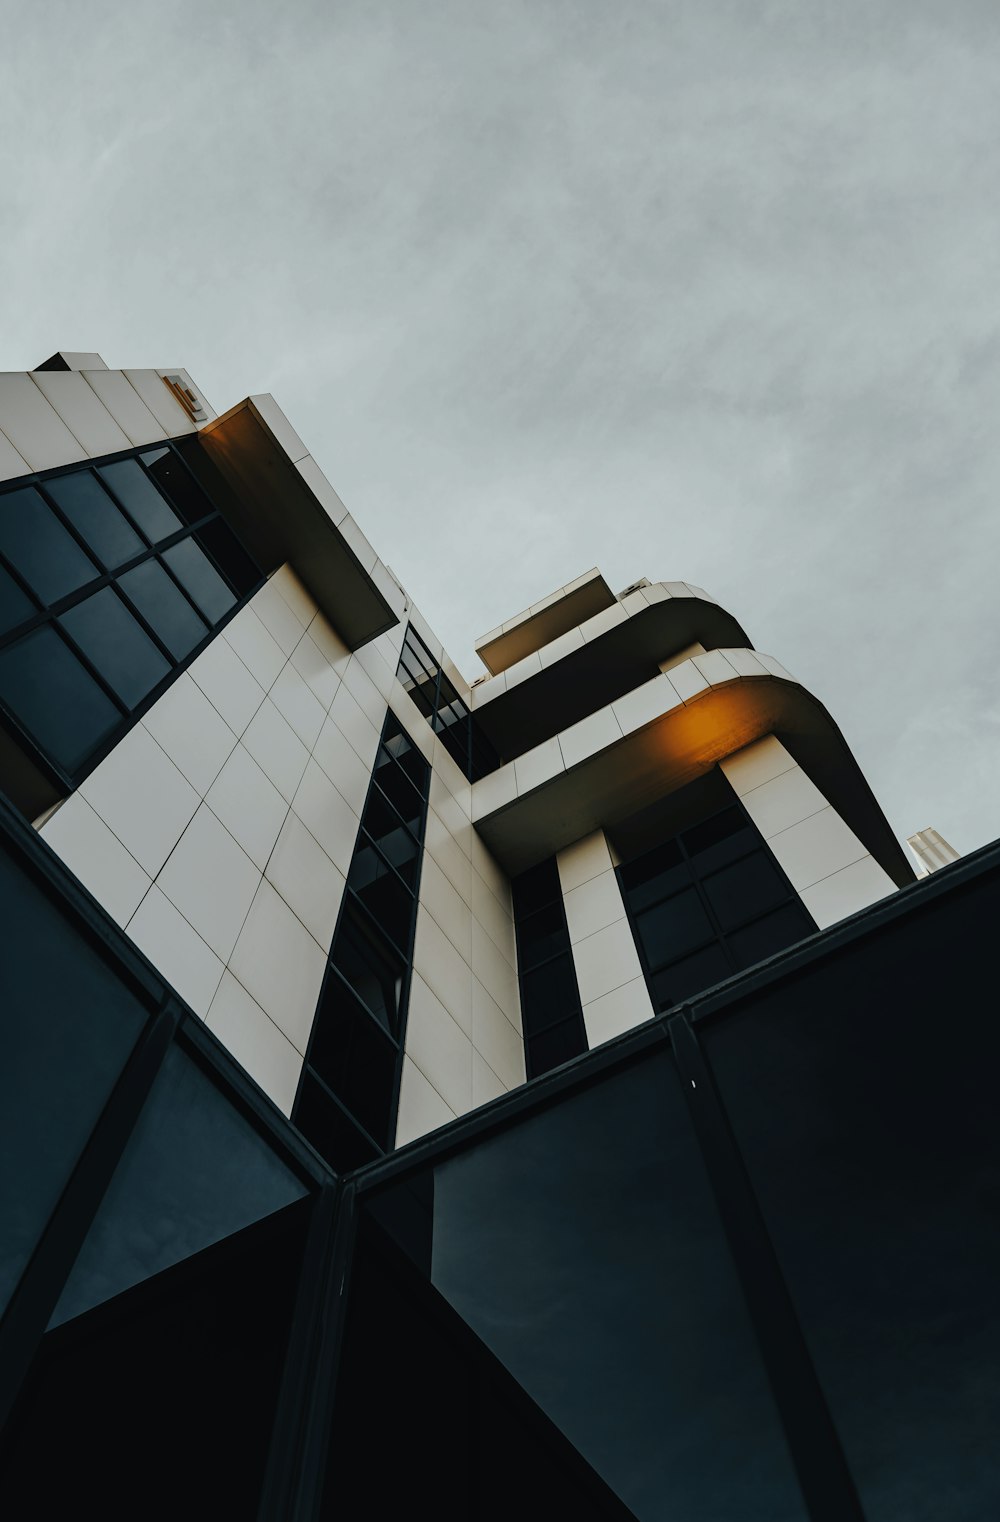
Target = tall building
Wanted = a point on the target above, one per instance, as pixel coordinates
(614, 940)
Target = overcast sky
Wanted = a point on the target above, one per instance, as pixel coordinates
(689, 289)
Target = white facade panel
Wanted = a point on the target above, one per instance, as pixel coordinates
(280, 965)
(127, 407)
(82, 410)
(176, 950)
(255, 1041)
(34, 427)
(95, 854)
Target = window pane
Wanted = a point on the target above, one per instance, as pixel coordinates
(673, 928)
(773, 933)
(37, 545)
(177, 482)
(395, 843)
(541, 935)
(164, 608)
(229, 555)
(719, 839)
(538, 886)
(140, 499)
(330, 1129)
(383, 895)
(355, 1058)
(746, 888)
(689, 976)
(549, 994)
(68, 1026)
(654, 875)
(194, 1171)
(123, 653)
(93, 514)
(198, 576)
(15, 604)
(55, 697)
(400, 792)
(370, 969)
(550, 1048)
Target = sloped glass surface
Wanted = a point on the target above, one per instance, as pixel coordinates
(583, 1247)
(194, 1171)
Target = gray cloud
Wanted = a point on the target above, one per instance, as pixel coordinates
(697, 288)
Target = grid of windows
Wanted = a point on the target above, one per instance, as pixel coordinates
(444, 710)
(111, 576)
(346, 1102)
(551, 1014)
(708, 903)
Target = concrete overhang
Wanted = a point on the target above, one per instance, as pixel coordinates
(609, 655)
(284, 509)
(657, 739)
(544, 621)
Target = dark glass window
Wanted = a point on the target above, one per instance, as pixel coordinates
(96, 518)
(16, 607)
(164, 607)
(37, 545)
(448, 715)
(551, 1014)
(144, 504)
(707, 903)
(346, 1099)
(199, 578)
(55, 698)
(115, 643)
(114, 618)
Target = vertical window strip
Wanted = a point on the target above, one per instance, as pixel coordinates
(448, 715)
(349, 1089)
(551, 1012)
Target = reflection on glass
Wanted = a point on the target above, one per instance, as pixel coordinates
(198, 576)
(123, 653)
(583, 1246)
(15, 605)
(55, 697)
(95, 517)
(194, 1171)
(37, 545)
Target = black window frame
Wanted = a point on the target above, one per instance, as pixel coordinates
(434, 695)
(534, 892)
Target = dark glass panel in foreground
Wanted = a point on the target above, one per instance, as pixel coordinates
(159, 1404)
(67, 1026)
(194, 1171)
(40, 548)
(863, 1095)
(466, 1443)
(93, 514)
(583, 1247)
(55, 697)
(117, 645)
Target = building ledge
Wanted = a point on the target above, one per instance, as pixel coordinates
(661, 736)
(283, 507)
(544, 621)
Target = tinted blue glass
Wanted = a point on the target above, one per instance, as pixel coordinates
(55, 697)
(194, 1171)
(583, 1246)
(93, 514)
(121, 650)
(37, 545)
(673, 928)
(746, 888)
(164, 607)
(198, 576)
(67, 1025)
(141, 500)
(15, 604)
